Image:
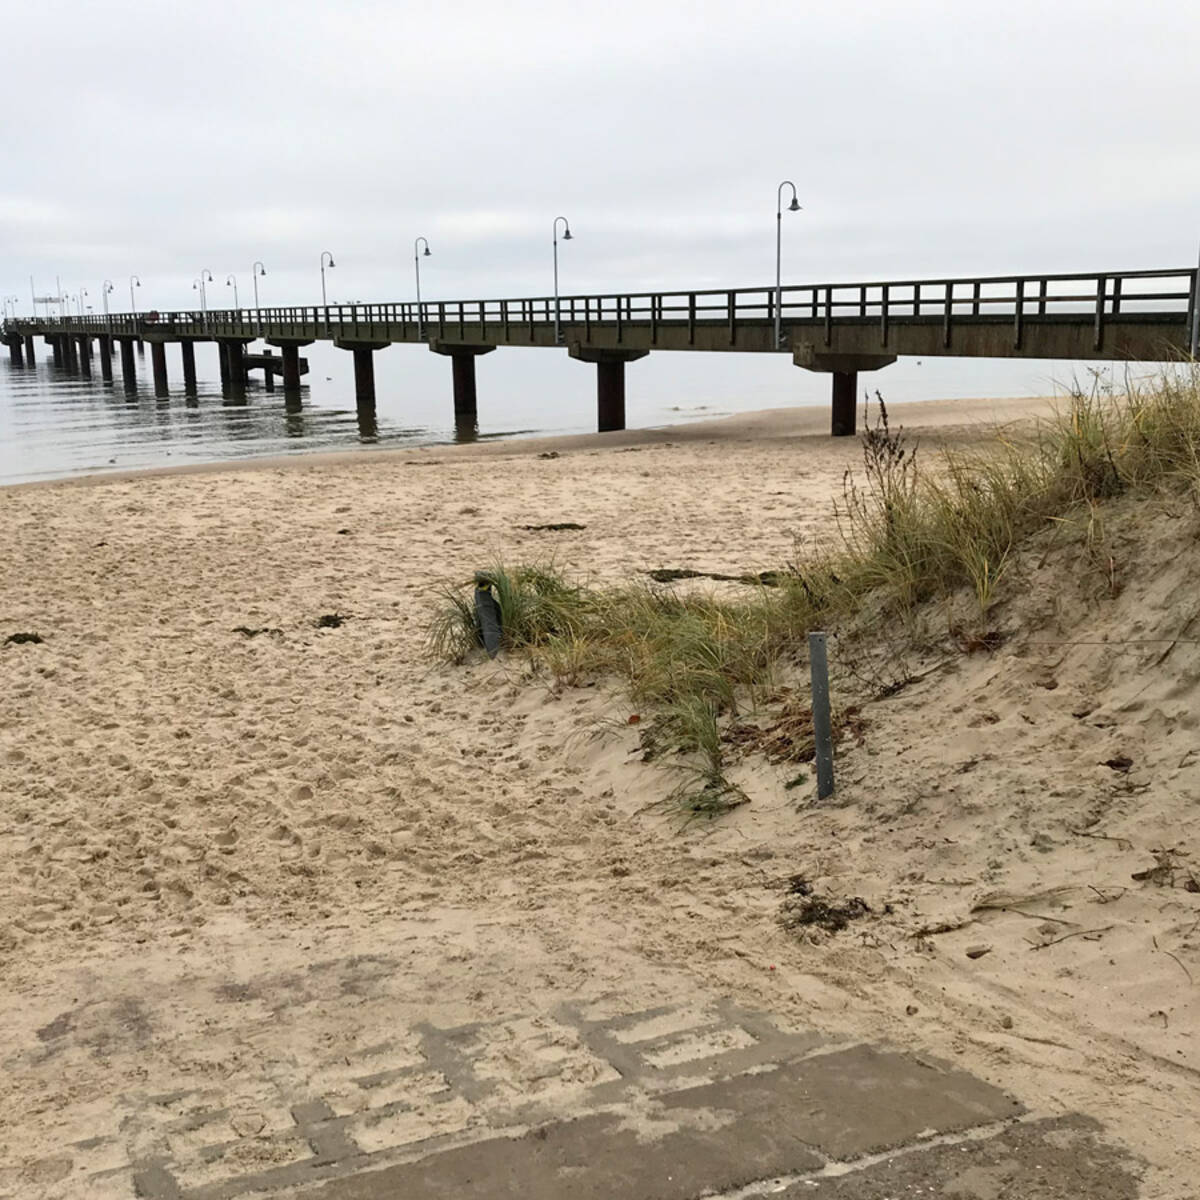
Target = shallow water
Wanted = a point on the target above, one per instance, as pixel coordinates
(56, 422)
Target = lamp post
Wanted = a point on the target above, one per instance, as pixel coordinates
(105, 288)
(198, 285)
(793, 207)
(82, 292)
(417, 265)
(231, 279)
(566, 238)
(332, 264)
(133, 280)
(12, 301)
(257, 270)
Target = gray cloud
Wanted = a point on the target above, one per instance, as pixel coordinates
(926, 137)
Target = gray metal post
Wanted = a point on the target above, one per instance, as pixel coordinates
(1195, 345)
(822, 722)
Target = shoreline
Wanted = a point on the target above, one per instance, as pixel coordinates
(791, 422)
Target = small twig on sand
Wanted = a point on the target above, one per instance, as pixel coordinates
(1077, 933)
(942, 927)
(1103, 837)
(1035, 916)
(1170, 955)
(1104, 897)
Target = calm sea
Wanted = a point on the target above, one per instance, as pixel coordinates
(55, 423)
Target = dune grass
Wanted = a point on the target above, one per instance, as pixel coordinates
(908, 532)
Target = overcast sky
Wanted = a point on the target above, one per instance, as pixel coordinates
(925, 138)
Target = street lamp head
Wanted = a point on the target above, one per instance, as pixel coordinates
(567, 235)
(794, 206)
(331, 262)
(427, 251)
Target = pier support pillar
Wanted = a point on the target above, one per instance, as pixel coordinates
(364, 375)
(104, 344)
(291, 368)
(462, 364)
(158, 361)
(16, 352)
(128, 368)
(70, 352)
(845, 395)
(610, 382)
(30, 359)
(187, 351)
(54, 341)
(293, 365)
(844, 368)
(268, 373)
(223, 364)
(235, 364)
(85, 357)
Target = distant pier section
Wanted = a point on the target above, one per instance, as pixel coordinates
(837, 328)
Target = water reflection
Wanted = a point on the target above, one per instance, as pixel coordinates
(61, 419)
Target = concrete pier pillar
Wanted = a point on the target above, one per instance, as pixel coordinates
(16, 352)
(364, 377)
(845, 395)
(128, 369)
(56, 349)
(291, 368)
(85, 357)
(235, 360)
(187, 351)
(610, 396)
(158, 360)
(70, 352)
(223, 363)
(30, 358)
(85, 346)
(141, 348)
(844, 368)
(104, 345)
(462, 365)
(610, 383)
(268, 373)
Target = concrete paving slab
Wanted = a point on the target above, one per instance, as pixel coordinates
(1058, 1159)
(715, 1137)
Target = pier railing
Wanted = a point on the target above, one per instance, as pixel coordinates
(1132, 296)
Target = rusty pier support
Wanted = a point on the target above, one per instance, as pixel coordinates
(610, 382)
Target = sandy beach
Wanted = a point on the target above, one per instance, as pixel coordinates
(229, 864)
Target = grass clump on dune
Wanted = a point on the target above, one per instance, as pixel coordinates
(908, 531)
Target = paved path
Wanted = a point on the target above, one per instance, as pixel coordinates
(669, 1104)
